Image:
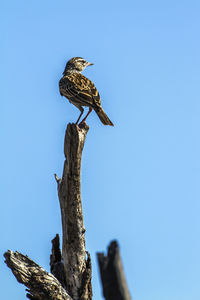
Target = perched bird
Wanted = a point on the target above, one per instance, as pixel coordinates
(80, 90)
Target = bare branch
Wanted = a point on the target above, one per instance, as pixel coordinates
(112, 274)
(58, 180)
(41, 285)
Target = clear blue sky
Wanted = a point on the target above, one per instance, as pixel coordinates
(140, 179)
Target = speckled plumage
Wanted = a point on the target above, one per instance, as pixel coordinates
(80, 90)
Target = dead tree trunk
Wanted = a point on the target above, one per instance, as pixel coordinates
(112, 274)
(70, 277)
(71, 271)
(76, 268)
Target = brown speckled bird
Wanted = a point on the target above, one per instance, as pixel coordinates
(80, 90)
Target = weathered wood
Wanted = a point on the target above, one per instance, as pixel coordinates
(71, 270)
(112, 274)
(77, 268)
(41, 285)
(56, 262)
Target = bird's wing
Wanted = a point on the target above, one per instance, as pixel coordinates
(79, 89)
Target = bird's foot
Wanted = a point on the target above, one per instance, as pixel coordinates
(83, 124)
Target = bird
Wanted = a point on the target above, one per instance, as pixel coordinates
(80, 90)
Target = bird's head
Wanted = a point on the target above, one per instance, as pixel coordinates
(76, 65)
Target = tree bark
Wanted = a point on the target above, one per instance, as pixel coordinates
(112, 274)
(56, 262)
(41, 285)
(71, 271)
(77, 269)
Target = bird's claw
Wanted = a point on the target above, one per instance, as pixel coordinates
(82, 124)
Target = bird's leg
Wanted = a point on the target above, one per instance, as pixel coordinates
(82, 110)
(89, 111)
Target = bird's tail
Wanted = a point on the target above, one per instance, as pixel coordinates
(102, 116)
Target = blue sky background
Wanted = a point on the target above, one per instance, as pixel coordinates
(140, 179)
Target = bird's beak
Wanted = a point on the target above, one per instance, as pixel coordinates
(89, 64)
